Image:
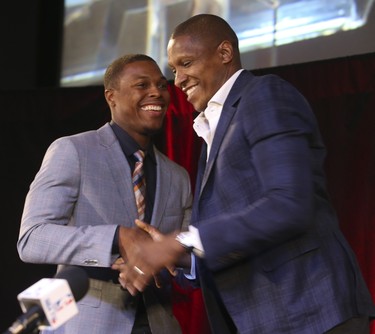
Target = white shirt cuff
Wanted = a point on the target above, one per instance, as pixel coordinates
(192, 275)
(191, 240)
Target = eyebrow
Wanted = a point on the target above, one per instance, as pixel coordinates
(147, 77)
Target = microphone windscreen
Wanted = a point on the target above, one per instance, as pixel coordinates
(77, 279)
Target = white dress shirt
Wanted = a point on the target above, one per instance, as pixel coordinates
(206, 122)
(205, 126)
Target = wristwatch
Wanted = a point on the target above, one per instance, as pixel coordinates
(189, 241)
(184, 239)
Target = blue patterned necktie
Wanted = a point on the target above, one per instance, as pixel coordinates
(139, 184)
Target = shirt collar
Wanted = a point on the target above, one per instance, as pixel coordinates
(223, 92)
(128, 145)
(216, 103)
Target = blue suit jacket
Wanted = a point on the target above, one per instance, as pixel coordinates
(272, 242)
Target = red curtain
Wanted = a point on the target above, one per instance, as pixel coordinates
(342, 94)
(180, 143)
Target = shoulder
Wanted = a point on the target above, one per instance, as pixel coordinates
(265, 89)
(104, 135)
(79, 143)
(262, 81)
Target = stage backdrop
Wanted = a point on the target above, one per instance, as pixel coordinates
(341, 92)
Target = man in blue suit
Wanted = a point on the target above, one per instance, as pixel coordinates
(270, 255)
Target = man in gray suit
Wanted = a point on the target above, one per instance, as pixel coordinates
(270, 255)
(81, 207)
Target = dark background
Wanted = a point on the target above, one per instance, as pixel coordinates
(31, 39)
(34, 111)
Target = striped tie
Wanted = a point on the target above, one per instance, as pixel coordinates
(139, 184)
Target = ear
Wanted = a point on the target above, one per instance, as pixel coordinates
(108, 94)
(226, 51)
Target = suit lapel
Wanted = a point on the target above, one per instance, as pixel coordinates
(198, 183)
(225, 118)
(163, 186)
(120, 170)
(229, 109)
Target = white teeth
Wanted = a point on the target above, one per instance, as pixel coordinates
(151, 108)
(190, 90)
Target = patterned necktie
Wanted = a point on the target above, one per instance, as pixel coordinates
(139, 184)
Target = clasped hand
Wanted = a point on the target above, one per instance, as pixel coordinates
(145, 251)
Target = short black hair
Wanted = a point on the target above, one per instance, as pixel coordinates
(114, 70)
(208, 28)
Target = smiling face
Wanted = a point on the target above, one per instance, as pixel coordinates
(199, 69)
(139, 100)
(203, 54)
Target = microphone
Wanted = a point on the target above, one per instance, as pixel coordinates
(50, 302)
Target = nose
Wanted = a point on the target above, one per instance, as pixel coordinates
(180, 79)
(155, 90)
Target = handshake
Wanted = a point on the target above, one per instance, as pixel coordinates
(145, 251)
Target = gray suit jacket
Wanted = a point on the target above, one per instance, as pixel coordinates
(82, 191)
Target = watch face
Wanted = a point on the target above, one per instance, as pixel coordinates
(183, 239)
(187, 239)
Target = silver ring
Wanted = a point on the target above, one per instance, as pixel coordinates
(139, 271)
